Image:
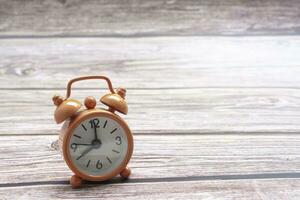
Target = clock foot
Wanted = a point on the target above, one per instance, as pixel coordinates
(76, 181)
(125, 173)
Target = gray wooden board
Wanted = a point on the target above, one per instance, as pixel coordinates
(163, 111)
(213, 117)
(143, 18)
(156, 62)
(287, 189)
(36, 160)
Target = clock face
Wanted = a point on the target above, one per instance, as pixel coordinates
(98, 146)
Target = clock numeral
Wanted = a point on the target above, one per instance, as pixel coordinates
(99, 164)
(118, 140)
(74, 147)
(94, 123)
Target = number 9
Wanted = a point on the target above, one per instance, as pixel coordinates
(74, 147)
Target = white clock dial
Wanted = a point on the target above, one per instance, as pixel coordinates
(98, 146)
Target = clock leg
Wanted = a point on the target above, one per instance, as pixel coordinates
(125, 173)
(76, 181)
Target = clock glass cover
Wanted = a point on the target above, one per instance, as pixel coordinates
(98, 146)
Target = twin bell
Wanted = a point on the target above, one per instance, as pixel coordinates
(67, 107)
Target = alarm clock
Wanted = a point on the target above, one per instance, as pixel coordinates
(96, 143)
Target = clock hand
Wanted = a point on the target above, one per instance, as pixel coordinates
(85, 152)
(84, 144)
(95, 131)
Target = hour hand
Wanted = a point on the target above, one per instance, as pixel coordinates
(84, 144)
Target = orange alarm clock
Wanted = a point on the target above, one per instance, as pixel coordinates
(96, 143)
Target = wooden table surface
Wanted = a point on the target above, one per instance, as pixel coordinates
(212, 88)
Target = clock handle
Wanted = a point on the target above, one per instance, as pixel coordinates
(87, 78)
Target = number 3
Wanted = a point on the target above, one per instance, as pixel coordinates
(118, 140)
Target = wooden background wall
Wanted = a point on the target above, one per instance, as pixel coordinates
(121, 18)
(213, 94)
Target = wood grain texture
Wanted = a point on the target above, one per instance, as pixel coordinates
(162, 62)
(143, 18)
(221, 190)
(213, 117)
(157, 111)
(35, 160)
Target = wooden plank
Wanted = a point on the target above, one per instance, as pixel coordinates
(223, 190)
(35, 160)
(160, 17)
(159, 62)
(181, 111)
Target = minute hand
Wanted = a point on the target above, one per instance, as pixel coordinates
(95, 131)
